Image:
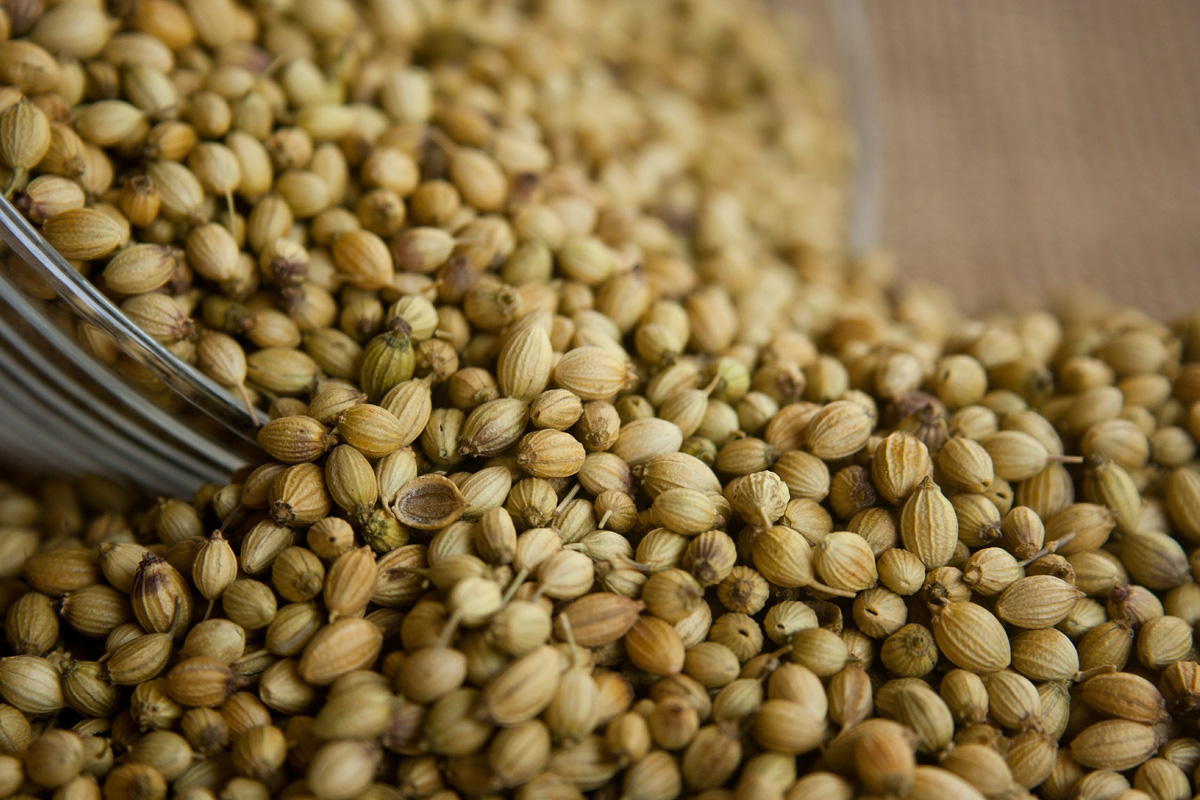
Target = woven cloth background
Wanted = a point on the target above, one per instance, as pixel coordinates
(1032, 147)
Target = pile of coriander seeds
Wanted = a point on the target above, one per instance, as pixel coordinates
(596, 466)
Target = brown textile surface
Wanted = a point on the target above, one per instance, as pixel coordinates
(1040, 145)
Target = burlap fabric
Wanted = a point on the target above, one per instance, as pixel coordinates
(1032, 147)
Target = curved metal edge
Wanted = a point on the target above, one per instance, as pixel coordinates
(129, 442)
(91, 370)
(59, 438)
(94, 307)
(50, 454)
(852, 32)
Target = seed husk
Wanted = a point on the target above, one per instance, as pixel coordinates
(215, 567)
(372, 430)
(550, 454)
(201, 681)
(363, 258)
(899, 464)
(342, 769)
(885, 762)
(1183, 501)
(341, 647)
(1108, 484)
(1107, 644)
(1045, 654)
(591, 372)
(1154, 559)
(162, 599)
(599, 618)
(929, 525)
(140, 268)
(1037, 601)
(212, 251)
(844, 561)
(525, 688)
(54, 759)
(83, 233)
(139, 660)
(966, 464)
(971, 637)
(429, 503)
(839, 429)
(30, 684)
(786, 727)
(450, 309)
(87, 690)
(655, 646)
(525, 363)
(1123, 695)
(1163, 641)
(31, 626)
(282, 370)
(60, 570)
(297, 574)
(28, 66)
(493, 427)
(785, 558)
(249, 603)
(350, 582)
(160, 317)
(1114, 744)
(678, 471)
(686, 511)
(216, 638)
(411, 403)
